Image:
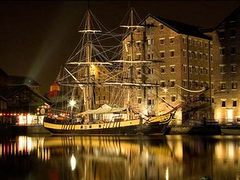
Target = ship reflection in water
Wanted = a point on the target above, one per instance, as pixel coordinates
(90, 158)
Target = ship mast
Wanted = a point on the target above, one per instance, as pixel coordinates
(131, 62)
(88, 91)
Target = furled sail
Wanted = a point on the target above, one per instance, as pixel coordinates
(104, 109)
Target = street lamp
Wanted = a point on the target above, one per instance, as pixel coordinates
(72, 103)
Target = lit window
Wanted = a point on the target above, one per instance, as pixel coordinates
(150, 41)
(223, 103)
(199, 55)
(172, 68)
(139, 72)
(149, 71)
(234, 85)
(139, 100)
(162, 69)
(173, 98)
(190, 69)
(184, 53)
(222, 68)
(162, 54)
(222, 51)
(138, 44)
(222, 85)
(171, 40)
(172, 53)
(195, 84)
(172, 83)
(138, 56)
(234, 103)
(162, 41)
(162, 84)
(233, 68)
(195, 55)
(184, 83)
(150, 56)
(150, 101)
(184, 68)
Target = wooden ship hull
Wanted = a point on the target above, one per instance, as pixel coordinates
(154, 125)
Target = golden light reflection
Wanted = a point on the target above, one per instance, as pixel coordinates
(230, 151)
(219, 152)
(176, 145)
(25, 143)
(73, 162)
(167, 174)
(101, 157)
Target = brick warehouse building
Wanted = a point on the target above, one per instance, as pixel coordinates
(226, 78)
(165, 44)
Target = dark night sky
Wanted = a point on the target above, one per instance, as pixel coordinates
(36, 37)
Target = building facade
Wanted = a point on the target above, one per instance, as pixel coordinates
(226, 78)
(20, 103)
(179, 59)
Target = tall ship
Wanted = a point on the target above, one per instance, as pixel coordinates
(98, 85)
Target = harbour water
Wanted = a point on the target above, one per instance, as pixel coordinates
(124, 158)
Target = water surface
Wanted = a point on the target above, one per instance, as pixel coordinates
(128, 158)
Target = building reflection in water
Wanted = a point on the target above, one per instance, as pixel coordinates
(165, 157)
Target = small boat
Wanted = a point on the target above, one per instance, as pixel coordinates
(98, 92)
(230, 129)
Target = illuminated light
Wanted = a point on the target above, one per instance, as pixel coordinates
(72, 103)
(165, 90)
(22, 119)
(73, 162)
(1, 114)
(230, 115)
(14, 114)
(93, 69)
(218, 114)
(167, 174)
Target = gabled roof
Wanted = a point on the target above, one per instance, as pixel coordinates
(9, 91)
(229, 17)
(180, 27)
(3, 99)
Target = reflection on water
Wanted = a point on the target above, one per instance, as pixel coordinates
(90, 158)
